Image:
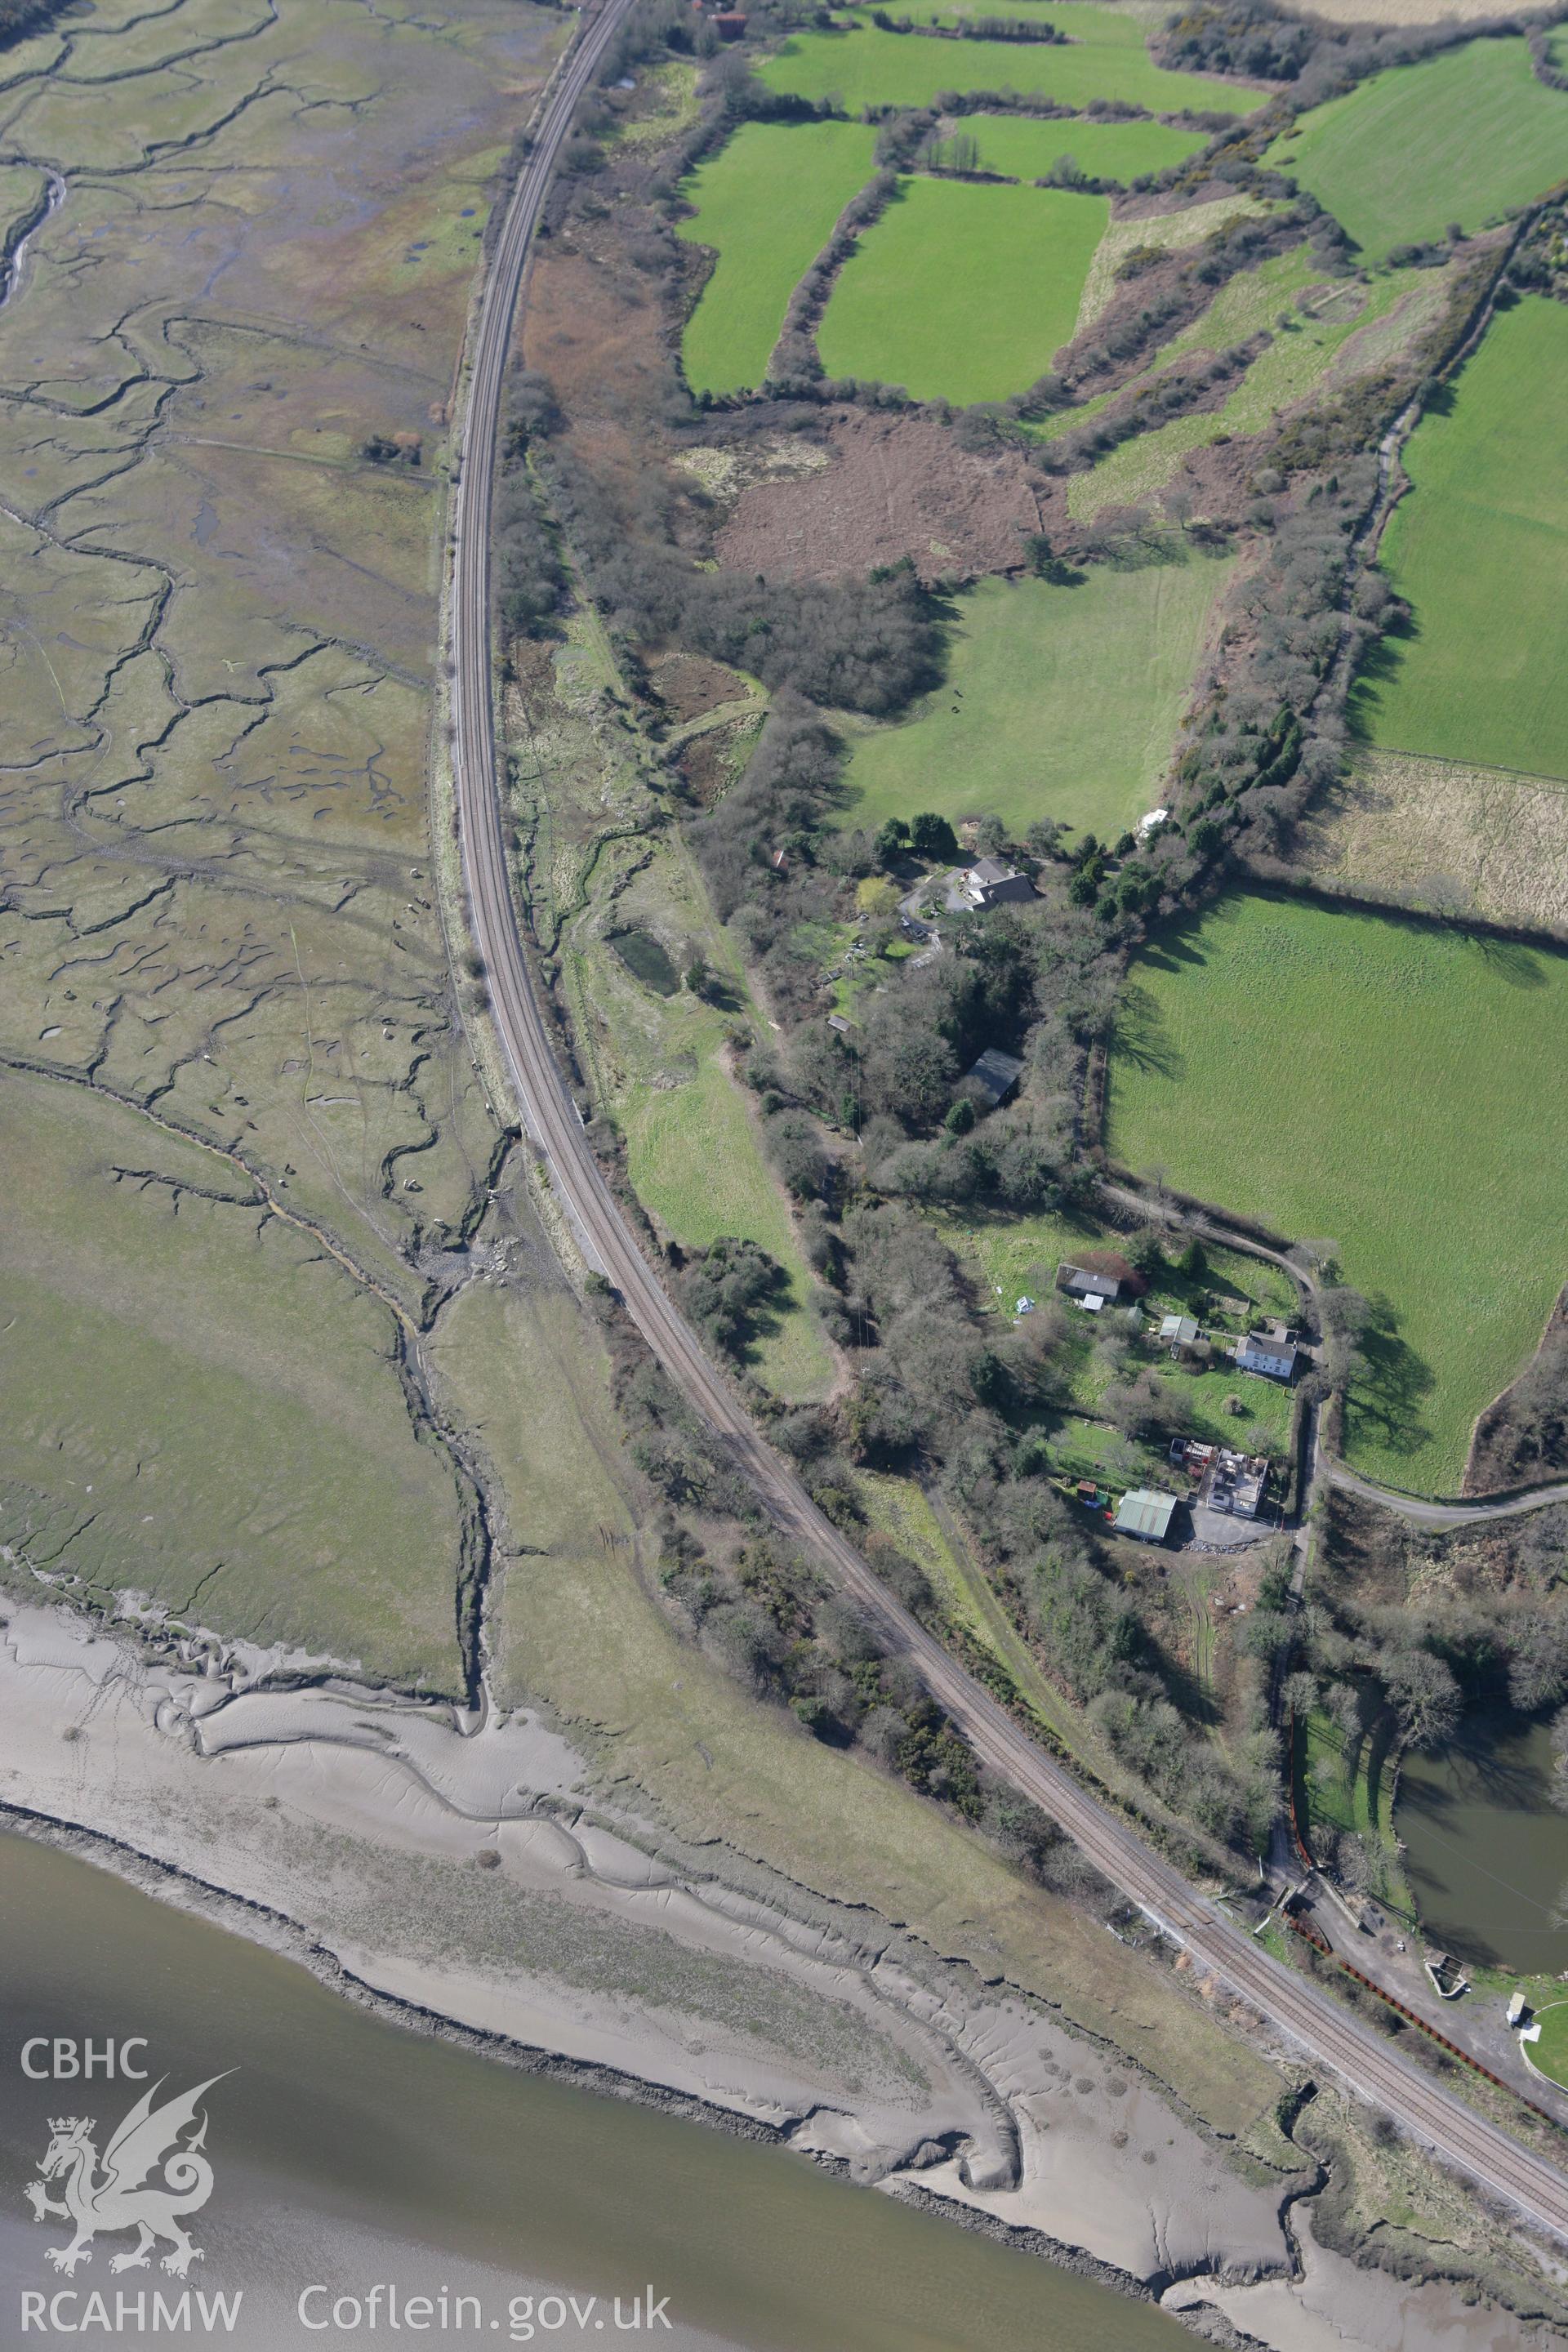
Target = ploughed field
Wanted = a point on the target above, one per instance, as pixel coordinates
(963, 292)
(1397, 1087)
(766, 204)
(1464, 136)
(1478, 548)
(1059, 702)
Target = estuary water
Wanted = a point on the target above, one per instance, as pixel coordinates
(1486, 1849)
(348, 2154)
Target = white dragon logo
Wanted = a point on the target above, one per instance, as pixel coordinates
(121, 2197)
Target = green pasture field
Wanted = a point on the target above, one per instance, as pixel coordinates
(1395, 1085)
(962, 292)
(1550, 2051)
(867, 66)
(1021, 147)
(1099, 22)
(1306, 344)
(1059, 702)
(197, 1403)
(695, 1161)
(766, 203)
(1478, 547)
(1464, 136)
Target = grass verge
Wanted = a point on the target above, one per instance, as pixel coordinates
(695, 1161)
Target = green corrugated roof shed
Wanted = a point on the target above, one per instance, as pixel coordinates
(1145, 1513)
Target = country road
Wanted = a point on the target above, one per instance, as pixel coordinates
(1416, 1507)
(1325, 2034)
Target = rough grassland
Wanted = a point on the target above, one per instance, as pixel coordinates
(1060, 702)
(578, 1632)
(1463, 137)
(766, 203)
(1446, 835)
(599, 861)
(1174, 231)
(1405, 12)
(1478, 547)
(961, 291)
(1298, 357)
(867, 67)
(695, 1161)
(197, 1403)
(1025, 150)
(1397, 1087)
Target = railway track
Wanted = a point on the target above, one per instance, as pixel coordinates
(1325, 2034)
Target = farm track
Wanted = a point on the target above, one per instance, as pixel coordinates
(1317, 2026)
(1426, 1511)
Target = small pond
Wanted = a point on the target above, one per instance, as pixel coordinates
(646, 961)
(1487, 1851)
